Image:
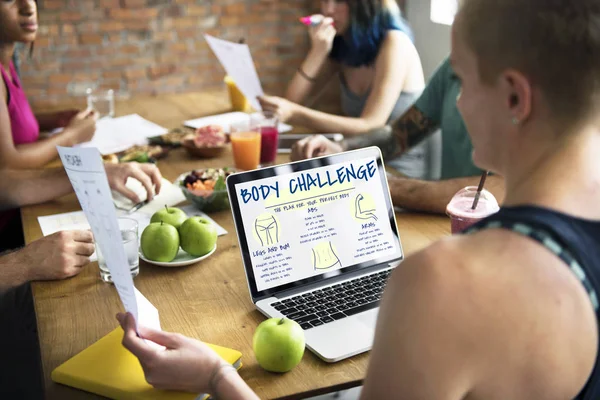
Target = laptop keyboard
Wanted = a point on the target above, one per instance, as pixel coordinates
(334, 302)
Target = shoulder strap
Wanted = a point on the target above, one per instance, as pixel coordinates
(550, 242)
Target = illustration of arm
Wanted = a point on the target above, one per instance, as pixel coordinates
(363, 214)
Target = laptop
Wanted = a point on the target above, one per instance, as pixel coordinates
(318, 240)
(286, 141)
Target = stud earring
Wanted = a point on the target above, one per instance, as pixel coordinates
(516, 121)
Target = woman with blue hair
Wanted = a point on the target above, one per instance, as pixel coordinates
(369, 45)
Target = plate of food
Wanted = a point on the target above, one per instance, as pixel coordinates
(171, 139)
(141, 154)
(206, 188)
(182, 259)
(207, 142)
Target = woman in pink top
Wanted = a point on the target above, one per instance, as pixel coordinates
(19, 127)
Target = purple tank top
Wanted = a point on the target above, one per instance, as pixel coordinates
(24, 126)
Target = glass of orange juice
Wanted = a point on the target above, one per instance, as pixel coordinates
(245, 143)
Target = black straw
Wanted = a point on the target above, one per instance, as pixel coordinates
(479, 189)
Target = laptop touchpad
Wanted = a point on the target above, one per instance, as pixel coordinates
(369, 318)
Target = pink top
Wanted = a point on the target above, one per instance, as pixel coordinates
(24, 126)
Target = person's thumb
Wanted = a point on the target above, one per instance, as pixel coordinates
(311, 149)
(167, 339)
(81, 115)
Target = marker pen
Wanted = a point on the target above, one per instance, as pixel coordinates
(312, 20)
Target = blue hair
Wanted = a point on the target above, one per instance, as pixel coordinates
(360, 45)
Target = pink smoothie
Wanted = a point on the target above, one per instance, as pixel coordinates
(268, 144)
(462, 216)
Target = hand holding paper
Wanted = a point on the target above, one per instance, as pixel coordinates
(186, 364)
(87, 175)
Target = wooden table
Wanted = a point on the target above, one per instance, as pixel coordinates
(208, 301)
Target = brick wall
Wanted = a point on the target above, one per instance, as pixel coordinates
(149, 47)
(156, 46)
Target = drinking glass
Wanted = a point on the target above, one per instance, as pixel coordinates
(245, 143)
(103, 101)
(269, 136)
(129, 237)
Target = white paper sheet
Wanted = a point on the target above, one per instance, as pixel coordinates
(149, 314)
(73, 221)
(63, 222)
(169, 195)
(88, 177)
(225, 121)
(117, 134)
(237, 61)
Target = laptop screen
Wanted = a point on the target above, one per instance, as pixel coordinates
(306, 221)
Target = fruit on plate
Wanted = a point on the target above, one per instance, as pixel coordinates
(198, 236)
(110, 159)
(278, 344)
(171, 139)
(170, 215)
(210, 136)
(160, 242)
(143, 152)
(205, 181)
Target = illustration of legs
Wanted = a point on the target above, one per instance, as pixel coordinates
(267, 230)
(324, 256)
(363, 214)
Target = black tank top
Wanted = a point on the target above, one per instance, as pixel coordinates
(575, 241)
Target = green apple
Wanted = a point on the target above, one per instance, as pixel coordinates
(198, 236)
(160, 242)
(170, 215)
(278, 344)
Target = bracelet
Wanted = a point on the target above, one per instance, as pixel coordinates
(305, 76)
(218, 374)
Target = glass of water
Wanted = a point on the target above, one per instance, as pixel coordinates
(129, 236)
(103, 101)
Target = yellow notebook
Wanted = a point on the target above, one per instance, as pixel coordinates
(108, 369)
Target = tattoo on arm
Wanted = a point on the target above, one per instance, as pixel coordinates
(406, 132)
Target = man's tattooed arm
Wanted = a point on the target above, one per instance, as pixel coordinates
(404, 133)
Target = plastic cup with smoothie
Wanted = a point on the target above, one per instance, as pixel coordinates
(460, 210)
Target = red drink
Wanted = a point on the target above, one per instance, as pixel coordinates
(268, 144)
